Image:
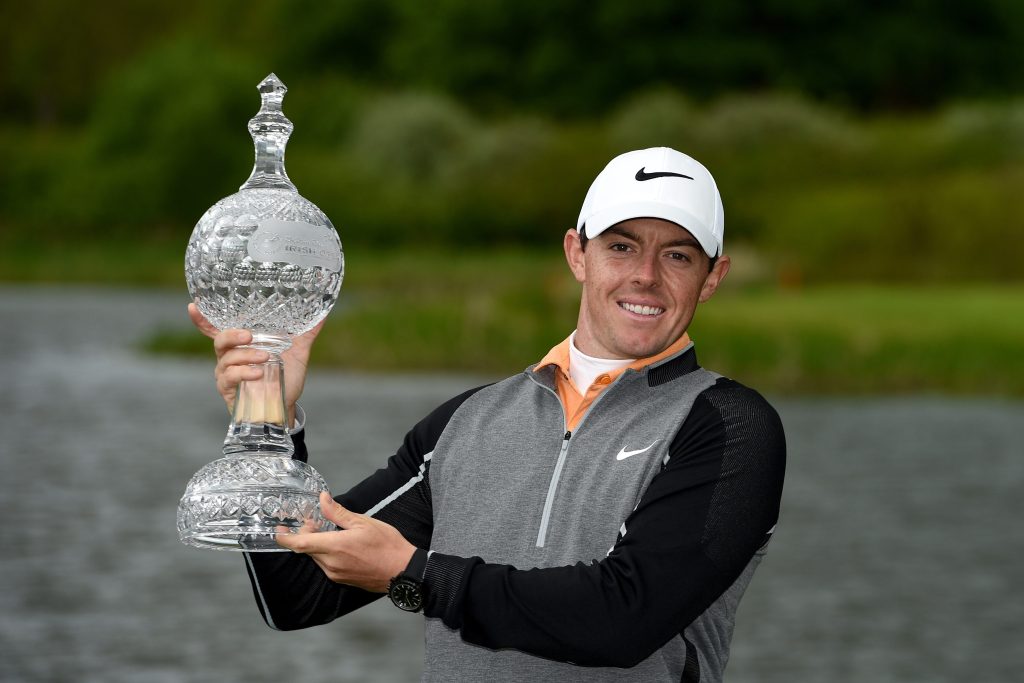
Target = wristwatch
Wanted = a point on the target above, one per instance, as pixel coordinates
(406, 589)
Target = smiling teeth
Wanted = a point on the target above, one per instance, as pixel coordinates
(642, 310)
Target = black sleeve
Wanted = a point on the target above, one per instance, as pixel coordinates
(290, 589)
(696, 527)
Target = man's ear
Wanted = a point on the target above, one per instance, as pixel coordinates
(715, 277)
(574, 254)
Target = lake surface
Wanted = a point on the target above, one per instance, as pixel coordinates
(899, 555)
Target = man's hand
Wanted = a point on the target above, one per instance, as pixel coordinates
(366, 553)
(236, 365)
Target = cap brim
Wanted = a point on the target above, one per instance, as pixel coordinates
(602, 220)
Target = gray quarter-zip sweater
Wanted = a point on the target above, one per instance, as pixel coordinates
(618, 551)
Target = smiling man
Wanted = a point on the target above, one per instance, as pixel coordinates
(659, 253)
(595, 517)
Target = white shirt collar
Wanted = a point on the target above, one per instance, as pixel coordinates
(584, 369)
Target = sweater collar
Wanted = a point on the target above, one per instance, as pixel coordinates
(558, 356)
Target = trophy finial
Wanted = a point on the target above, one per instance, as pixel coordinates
(272, 90)
(270, 130)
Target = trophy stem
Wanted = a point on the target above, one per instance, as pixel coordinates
(259, 419)
(257, 490)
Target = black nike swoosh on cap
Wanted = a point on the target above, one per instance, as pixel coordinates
(642, 175)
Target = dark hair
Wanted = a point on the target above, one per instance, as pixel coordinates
(583, 238)
(712, 260)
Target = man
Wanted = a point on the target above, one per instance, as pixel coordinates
(596, 517)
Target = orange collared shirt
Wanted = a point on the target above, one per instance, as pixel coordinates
(576, 404)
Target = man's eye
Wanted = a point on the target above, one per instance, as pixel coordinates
(618, 246)
(679, 256)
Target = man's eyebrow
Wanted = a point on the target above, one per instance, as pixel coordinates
(687, 241)
(622, 232)
(684, 242)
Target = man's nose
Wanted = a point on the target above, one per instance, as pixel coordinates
(647, 273)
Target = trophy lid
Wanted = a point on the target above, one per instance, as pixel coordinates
(270, 130)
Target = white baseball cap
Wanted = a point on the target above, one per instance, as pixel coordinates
(656, 183)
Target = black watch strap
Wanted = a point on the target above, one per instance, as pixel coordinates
(417, 565)
(406, 589)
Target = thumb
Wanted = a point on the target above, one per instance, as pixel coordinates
(336, 513)
(200, 321)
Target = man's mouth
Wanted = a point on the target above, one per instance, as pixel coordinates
(641, 310)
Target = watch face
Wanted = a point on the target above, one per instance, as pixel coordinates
(405, 593)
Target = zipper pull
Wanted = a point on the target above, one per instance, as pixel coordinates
(567, 436)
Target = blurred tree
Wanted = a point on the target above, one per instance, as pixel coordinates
(483, 122)
(53, 54)
(574, 58)
(580, 57)
(166, 139)
(350, 37)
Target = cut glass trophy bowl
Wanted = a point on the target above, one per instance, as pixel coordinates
(267, 260)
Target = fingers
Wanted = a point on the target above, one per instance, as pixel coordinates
(231, 376)
(229, 339)
(320, 542)
(365, 553)
(294, 542)
(200, 321)
(334, 512)
(236, 366)
(241, 356)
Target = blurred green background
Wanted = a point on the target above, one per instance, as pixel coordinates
(870, 156)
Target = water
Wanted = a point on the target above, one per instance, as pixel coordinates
(897, 557)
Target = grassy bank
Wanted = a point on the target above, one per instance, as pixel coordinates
(154, 263)
(496, 313)
(856, 340)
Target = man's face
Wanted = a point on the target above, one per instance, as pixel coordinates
(642, 280)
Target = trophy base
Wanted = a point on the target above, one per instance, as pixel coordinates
(242, 503)
(245, 534)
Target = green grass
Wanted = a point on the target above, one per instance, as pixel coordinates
(495, 313)
(856, 340)
(155, 263)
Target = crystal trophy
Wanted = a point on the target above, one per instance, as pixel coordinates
(268, 260)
